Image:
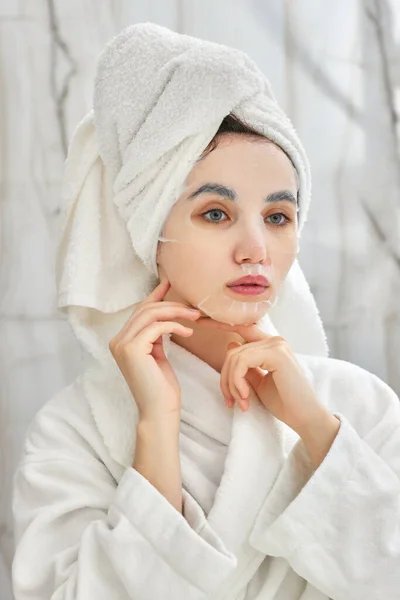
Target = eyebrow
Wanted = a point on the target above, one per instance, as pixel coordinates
(230, 194)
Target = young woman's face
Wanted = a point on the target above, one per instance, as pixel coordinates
(213, 235)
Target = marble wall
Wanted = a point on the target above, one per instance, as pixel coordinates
(335, 68)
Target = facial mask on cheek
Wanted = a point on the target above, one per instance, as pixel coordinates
(244, 304)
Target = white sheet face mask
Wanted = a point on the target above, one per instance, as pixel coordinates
(219, 232)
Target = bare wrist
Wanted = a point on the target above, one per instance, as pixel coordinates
(161, 427)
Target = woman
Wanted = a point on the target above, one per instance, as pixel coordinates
(138, 481)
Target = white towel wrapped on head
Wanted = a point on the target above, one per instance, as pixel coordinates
(159, 99)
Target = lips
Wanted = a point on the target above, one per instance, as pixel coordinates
(257, 280)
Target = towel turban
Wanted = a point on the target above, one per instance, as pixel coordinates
(159, 99)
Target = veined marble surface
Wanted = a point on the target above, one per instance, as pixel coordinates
(335, 69)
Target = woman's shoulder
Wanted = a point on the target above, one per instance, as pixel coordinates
(339, 372)
(361, 396)
(64, 428)
(335, 370)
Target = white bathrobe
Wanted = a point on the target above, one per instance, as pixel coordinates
(259, 523)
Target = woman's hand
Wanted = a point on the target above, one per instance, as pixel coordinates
(139, 353)
(284, 390)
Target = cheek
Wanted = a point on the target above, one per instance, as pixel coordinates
(190, 258)
(191, 266)
(283, 261)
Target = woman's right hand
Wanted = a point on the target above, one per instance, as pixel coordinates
(139, 353)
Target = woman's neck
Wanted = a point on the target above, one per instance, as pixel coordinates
(208, 345)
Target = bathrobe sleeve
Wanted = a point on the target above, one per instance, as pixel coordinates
(78, 535)
(341, 530)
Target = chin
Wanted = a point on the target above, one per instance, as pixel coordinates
(237, 319)
(234, 316)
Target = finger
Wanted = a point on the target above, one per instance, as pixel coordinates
(223, 380)
(250, 333)
(239, 370)
(232, 391)
(237, 383)
(156, 296)
(247, 368)
(242, 385)
(228, 382)
(254, 377)
(159, 292)
(158, 350)
(158, 312)
(143, 342)
(239, 390)
(238, 376)
(229, 399)
(144, 306)
(180, 304)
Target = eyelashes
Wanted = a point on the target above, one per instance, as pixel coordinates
(286, 222)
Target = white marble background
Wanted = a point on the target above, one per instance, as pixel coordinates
(334, 67)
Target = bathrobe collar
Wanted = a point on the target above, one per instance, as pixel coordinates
(258, 447)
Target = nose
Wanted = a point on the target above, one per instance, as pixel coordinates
(252, 254)
(252, 246)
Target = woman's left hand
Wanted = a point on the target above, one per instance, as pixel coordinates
(284, 390)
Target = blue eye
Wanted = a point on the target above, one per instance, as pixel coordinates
(213, 210)
(286, 221)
